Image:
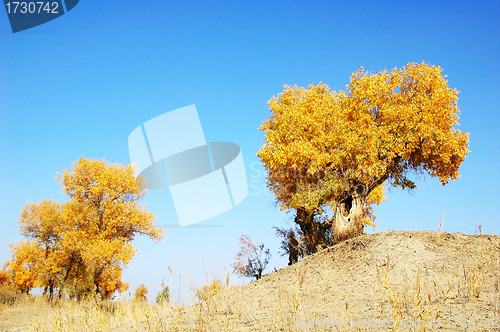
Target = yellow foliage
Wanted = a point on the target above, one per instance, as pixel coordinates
(83, 244)
(4, 277)
(322, 145)
(140, 293)
(376, 197)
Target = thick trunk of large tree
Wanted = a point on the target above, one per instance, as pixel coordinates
(348, 219)
(314, 230)
(314, 235)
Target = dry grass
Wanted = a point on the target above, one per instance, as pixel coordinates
(388, 277)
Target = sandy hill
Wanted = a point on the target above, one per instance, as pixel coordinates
(403, 277)
(393, 280)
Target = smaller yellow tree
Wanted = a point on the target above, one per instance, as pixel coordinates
(42, 224)
(83, 244)
(25, 265)
(105, 215)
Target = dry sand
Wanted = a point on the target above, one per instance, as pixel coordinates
(416, 279)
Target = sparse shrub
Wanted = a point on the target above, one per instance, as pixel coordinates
(9, 295)
(140, 293)
(292, 244)
(210, 290)
(418, 303)
(4, 277)
(312, 233)
(252, 259)
(440, 229)
(474, 273)
(163, 296)
(107, 306)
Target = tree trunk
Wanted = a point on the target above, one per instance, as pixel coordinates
(314, 230)
(348, 219)
(293, 251)
(259, 274)
(51, 289)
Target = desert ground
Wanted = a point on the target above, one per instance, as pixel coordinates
(391, 280)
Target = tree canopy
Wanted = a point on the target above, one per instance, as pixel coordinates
(82, 245)
(328, 148)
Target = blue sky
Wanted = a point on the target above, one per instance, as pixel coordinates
(78, 85)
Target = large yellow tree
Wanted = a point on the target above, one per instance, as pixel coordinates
(327, 148)
(81, 246)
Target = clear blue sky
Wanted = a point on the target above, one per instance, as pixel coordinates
(78, 85)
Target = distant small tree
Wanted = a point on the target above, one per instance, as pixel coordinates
(252, 259)
(140, 293)
(163, 296)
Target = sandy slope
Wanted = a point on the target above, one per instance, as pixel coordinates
(414, 279)
(347, 280)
